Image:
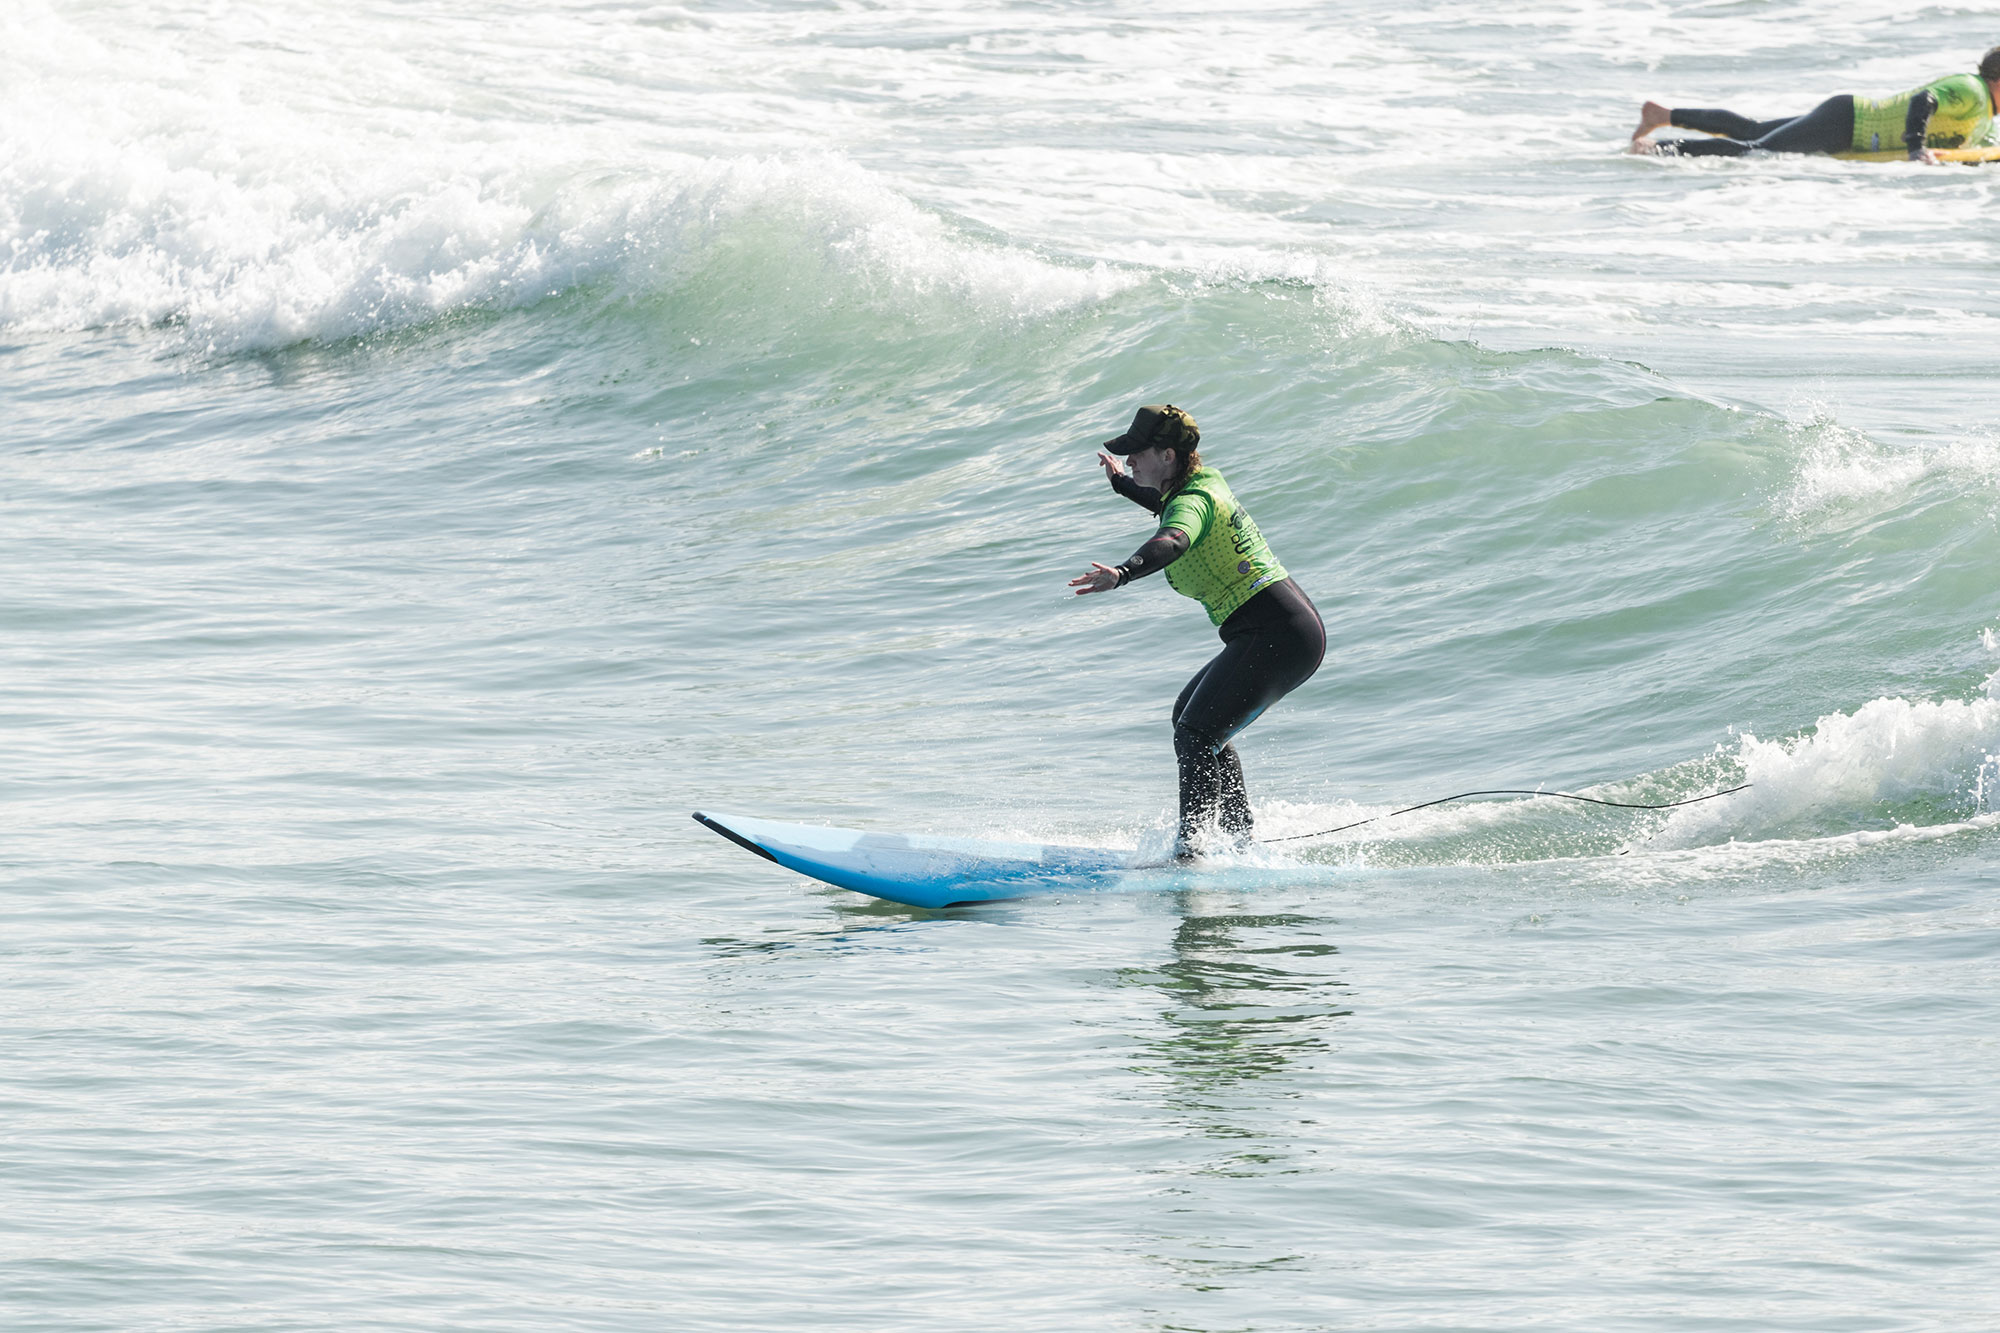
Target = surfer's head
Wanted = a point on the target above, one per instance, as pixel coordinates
(1163, 444)
(1989, 66)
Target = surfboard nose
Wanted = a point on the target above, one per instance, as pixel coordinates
(731, 834)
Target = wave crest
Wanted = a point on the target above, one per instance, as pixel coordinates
(247, 253)
(1913, 761)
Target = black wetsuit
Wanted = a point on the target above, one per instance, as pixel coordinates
(1950, 112)
(1270, 646)
(1827, 128)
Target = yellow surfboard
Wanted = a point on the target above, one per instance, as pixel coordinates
(1973, 156)
(1969, 156)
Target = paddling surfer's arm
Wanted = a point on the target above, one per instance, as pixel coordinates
(1161, 549)
(1917, 123)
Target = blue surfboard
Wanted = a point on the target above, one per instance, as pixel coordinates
(920, 870)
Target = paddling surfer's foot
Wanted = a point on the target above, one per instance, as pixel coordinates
(1652, 116)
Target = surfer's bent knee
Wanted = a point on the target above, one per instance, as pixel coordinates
(1189, 741)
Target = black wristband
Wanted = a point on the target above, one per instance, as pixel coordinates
(1124, 574)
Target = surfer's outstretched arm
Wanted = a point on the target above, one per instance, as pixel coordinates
(1146, 497)
(1161, 549)
(1101, 578)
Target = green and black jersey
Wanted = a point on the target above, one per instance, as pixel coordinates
(1962, 116)
(1228, 561)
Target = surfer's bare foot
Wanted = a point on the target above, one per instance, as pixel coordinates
(1652, 116)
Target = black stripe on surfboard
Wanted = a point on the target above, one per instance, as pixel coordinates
(734, 837)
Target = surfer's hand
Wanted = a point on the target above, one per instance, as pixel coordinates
(1101, 578)
(1111, 467)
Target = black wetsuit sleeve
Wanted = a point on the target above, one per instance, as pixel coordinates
(1916, 123)
(1144, 496)
(1161, 549)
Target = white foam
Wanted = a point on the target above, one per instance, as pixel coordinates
(260, 260)
(151, 186)
(1889, 749)
(1807, 792)
(1840, 470)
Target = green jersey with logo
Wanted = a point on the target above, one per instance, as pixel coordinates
(1227, 561)
(1963, 119)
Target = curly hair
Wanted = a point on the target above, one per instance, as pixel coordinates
(1187, 448)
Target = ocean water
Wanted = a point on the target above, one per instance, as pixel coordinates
(442, 445)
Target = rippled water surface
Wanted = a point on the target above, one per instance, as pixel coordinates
(441, 446)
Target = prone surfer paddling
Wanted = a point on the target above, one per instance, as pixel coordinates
(1272, 638)
(1956, 111)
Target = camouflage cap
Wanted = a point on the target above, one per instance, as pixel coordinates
(1165, 427)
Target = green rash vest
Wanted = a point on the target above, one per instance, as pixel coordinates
(1963, 119)
(1227, 560)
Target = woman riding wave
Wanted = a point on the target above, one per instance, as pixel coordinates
(1272, 637)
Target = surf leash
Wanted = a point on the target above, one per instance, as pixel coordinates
(1511, 791)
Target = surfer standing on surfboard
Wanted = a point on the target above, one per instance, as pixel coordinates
(1272, 638)
(1953, 112)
